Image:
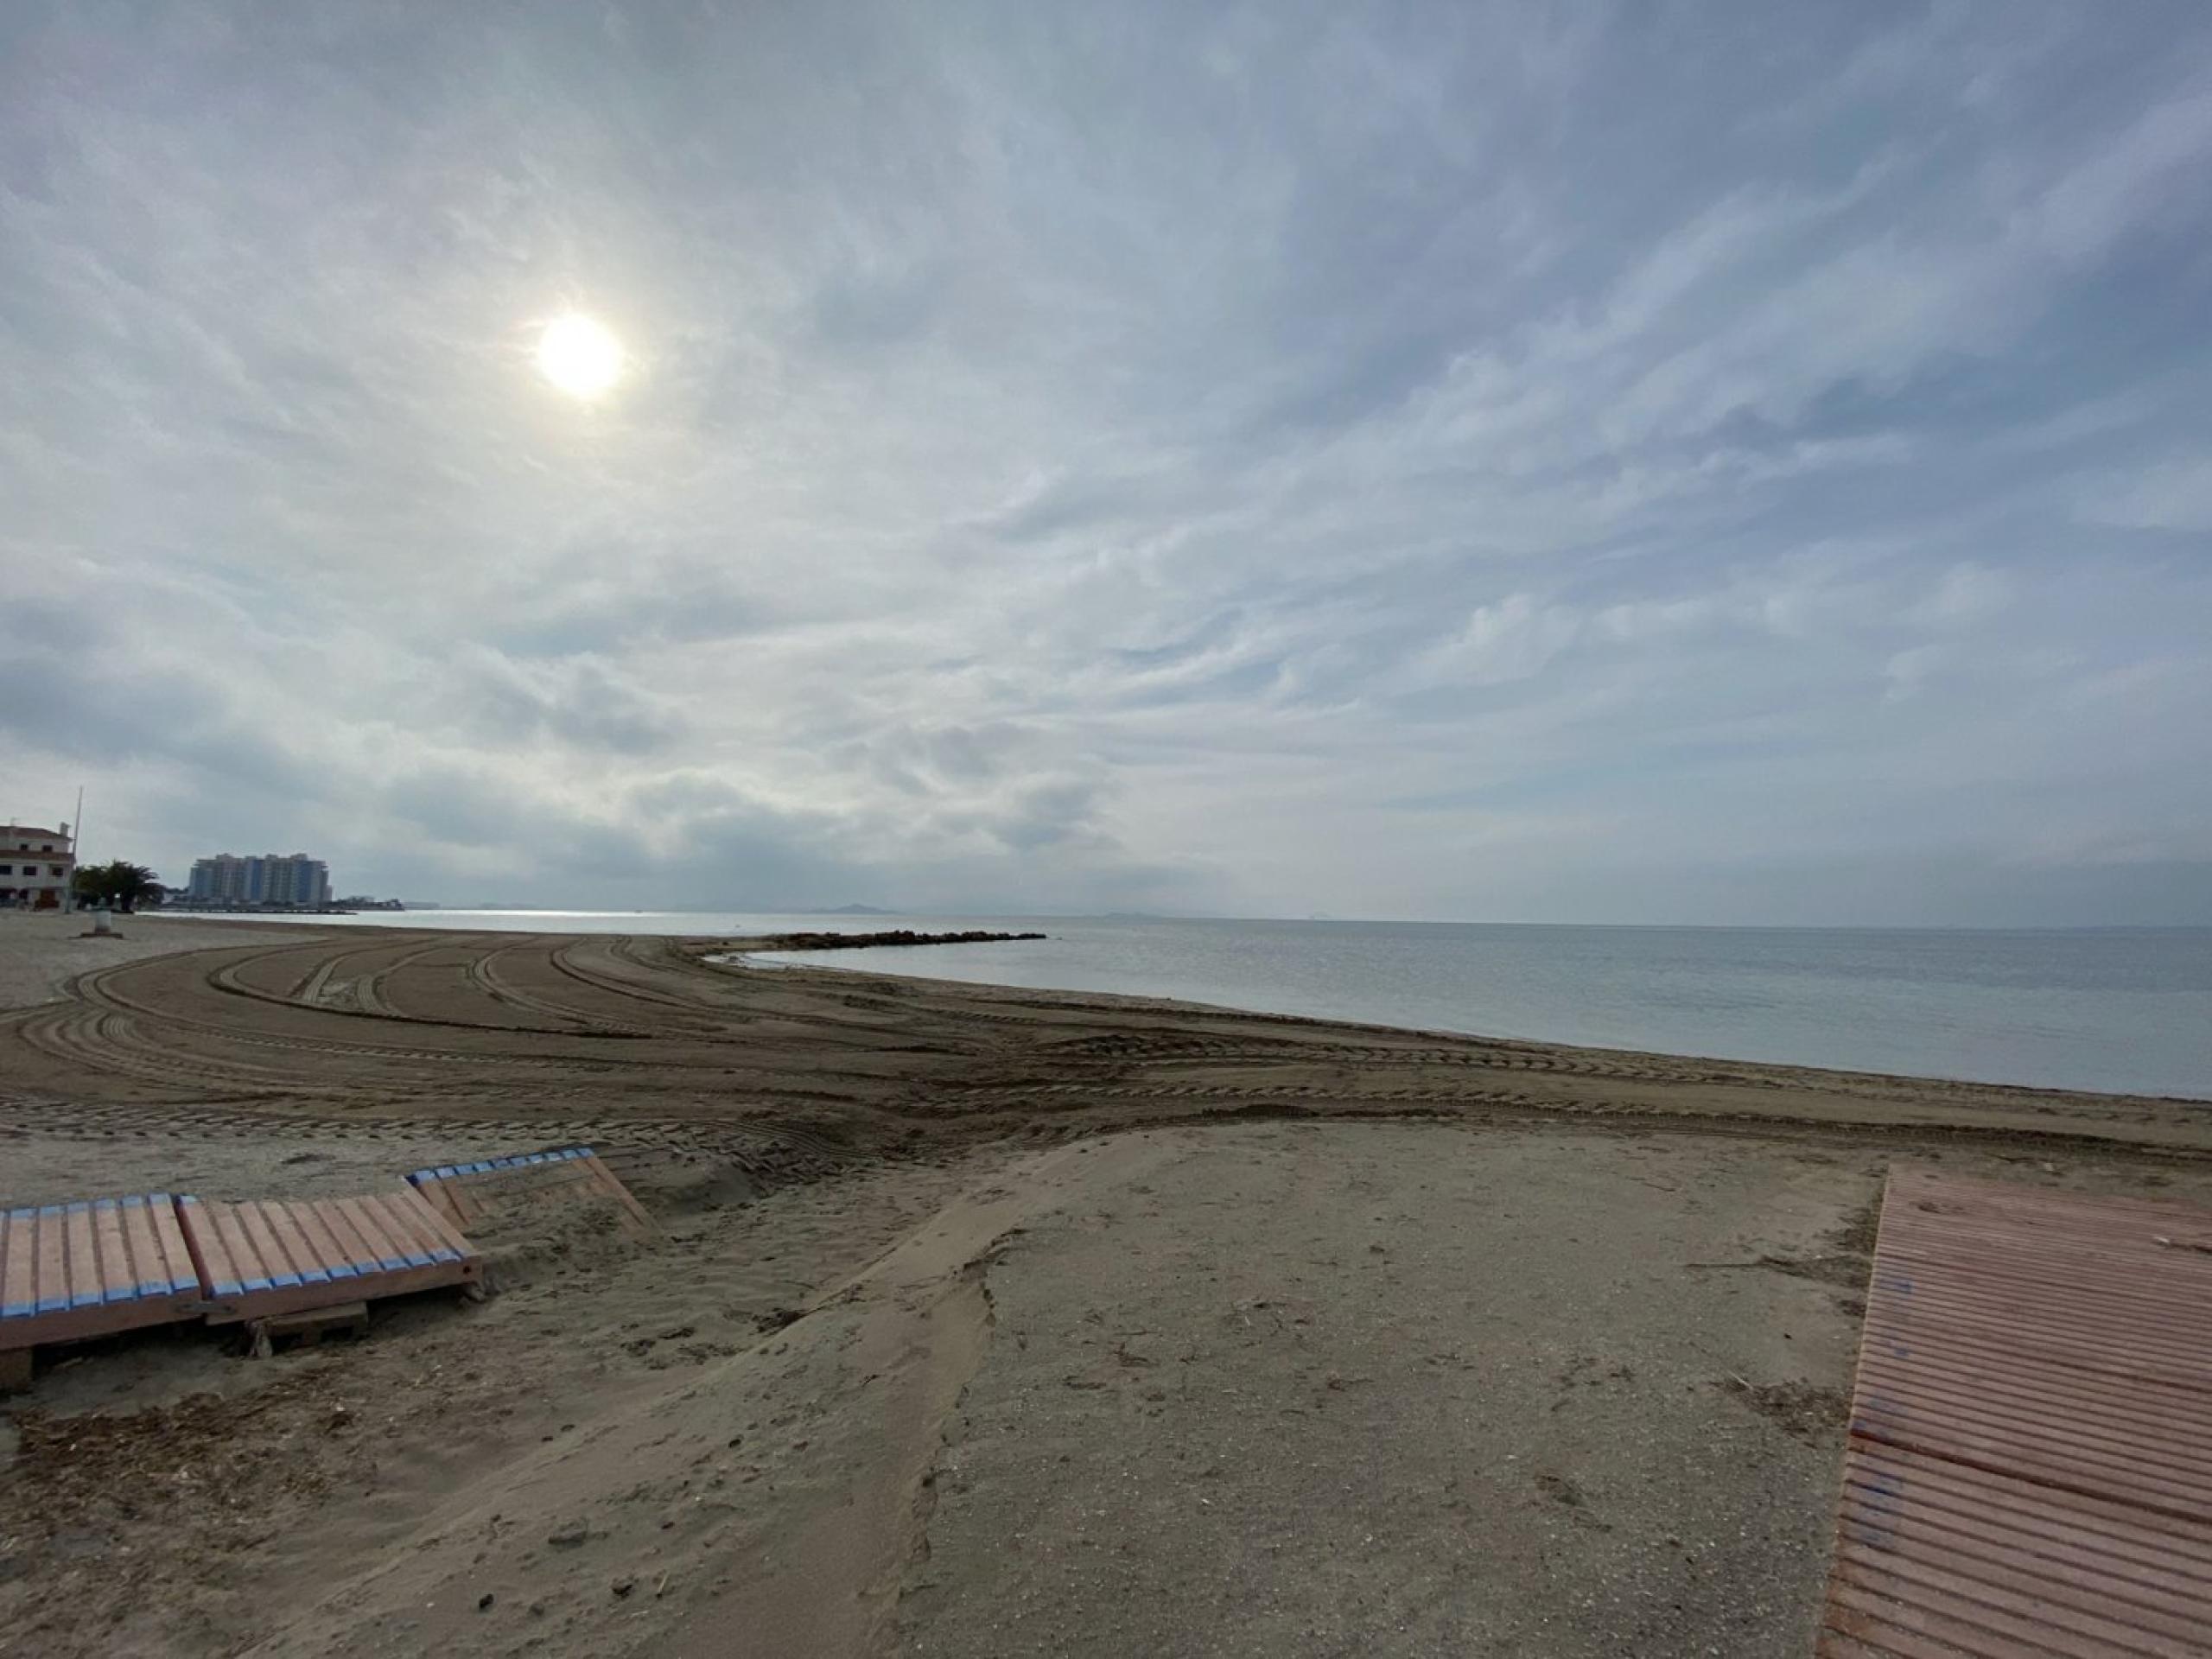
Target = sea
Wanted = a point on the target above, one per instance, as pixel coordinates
(2118, 1010)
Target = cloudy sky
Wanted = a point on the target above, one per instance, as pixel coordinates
(1734, 463)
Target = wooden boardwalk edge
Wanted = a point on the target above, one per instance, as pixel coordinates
(476, 1196)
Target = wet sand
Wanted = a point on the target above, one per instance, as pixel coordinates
(992, 1322)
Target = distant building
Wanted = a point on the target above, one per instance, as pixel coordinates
(269, 879)
(36, 866)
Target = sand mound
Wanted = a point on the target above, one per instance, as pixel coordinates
(644, 1531)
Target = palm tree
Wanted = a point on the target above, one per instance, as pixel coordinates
(121, 883)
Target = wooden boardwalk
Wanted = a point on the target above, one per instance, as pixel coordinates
(481, 1197)
(260, 1260)
(2029, 1469)
(86, 1268)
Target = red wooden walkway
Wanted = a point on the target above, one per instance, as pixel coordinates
(2030, 1463)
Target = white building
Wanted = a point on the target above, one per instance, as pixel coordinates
(271, 879)
(36, 866)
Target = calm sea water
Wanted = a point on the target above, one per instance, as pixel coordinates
(2124, 1010)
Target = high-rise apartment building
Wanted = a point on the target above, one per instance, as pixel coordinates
(269, 879)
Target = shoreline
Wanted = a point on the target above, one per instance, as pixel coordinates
(740, 954)
(751, 954)
(2057, 1035)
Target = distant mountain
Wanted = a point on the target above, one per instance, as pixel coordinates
(854, 909)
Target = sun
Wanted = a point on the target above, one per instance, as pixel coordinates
(579, 356)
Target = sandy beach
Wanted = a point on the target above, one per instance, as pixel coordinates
(42, 951)
(990, 1322)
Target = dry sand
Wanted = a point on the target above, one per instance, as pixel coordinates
(992, 1322)
(1322, 1388)
(42, 951)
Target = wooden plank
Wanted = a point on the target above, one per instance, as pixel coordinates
(71, 1271)
(448, 1245)
(52, 1259)
(395, 1238)
(338, 1314)
(283, 1220)
(642, 1223)
(261, 1240)
(337, 1216)
(119, 1274)
(253, 1272)
(283, 1217)
(84, 1286)
(2029, 1466)
(308, 1255)
(160, 1211)
(211, 1257)
(449, 1242)
(445, 1195)
(441, 1232)
(2143, 1546)
(416, 1221)
(1994, 1580)
(144, 1243)
(334, 1260)
(314, 1324)
(468, 1207)
(1993, 1547)
(398, 1238)
(19, 1265)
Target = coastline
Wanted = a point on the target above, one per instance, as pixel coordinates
(963, 1285)
(2092, 1012)
(1167, 1059)
(758, 955)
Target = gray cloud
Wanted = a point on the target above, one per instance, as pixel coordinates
(1655, 463)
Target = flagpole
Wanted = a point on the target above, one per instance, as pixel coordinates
(76, 839)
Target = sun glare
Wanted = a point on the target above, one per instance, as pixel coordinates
(579, 356)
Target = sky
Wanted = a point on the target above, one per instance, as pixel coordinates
(1705, 463)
